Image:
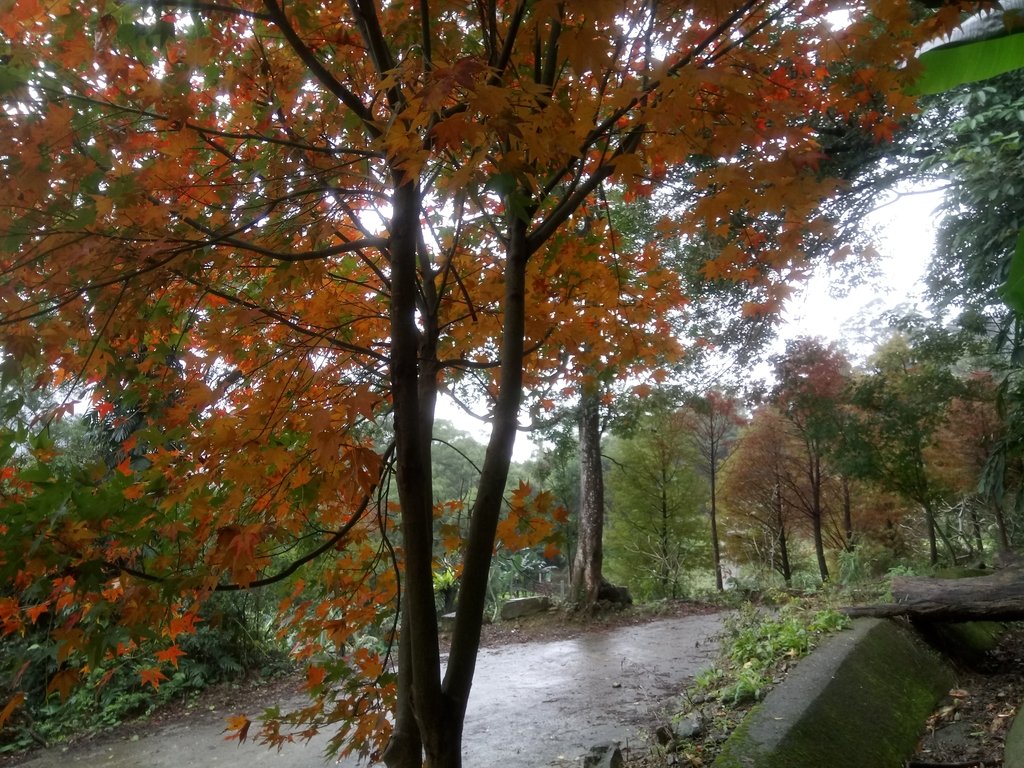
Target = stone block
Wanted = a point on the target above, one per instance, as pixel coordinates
(525, 606)
(860, 700)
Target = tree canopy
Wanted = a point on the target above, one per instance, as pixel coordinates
(254, 232)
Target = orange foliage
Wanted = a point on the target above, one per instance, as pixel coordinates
(204, 227)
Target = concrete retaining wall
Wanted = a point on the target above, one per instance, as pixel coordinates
(859, 700)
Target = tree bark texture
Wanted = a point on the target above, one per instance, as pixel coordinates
(420, 661)
(486, 511)
(587, 566)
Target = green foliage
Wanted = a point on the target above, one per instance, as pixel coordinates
(446, 585)
(756, 645)
(946, 67)
(900, 404)
(456, 461)
(978, 148)
(515, 574)
(657, 530)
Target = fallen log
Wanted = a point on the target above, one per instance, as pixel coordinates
(996, 597)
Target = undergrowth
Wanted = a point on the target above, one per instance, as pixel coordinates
(230, 645)
(758, 646)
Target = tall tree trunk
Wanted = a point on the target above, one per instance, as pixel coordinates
(405, 748)
(816, 516)
(933, 545)
(847, 515)
(976, 530)
(716, 552)
(663, 534)
(1000, 515)
(419, 660)
(486, 512)
(586, 576)
(439, 707)
(787, 571)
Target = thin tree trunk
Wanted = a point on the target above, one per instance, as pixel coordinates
(420, 661)
(663, 534)
(586, 575)
(976, 529)
(787, 570)
(933, 545)
(405, 748)
(787, 573)
(1004, 537)
(816, 516)
(847, 515)
(716, 552)
(487, 507)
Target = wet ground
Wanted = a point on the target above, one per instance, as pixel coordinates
(533, 704)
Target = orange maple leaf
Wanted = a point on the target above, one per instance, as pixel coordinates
(238, 728)
(15, 702)
(35, 611)
(182, 625)
(134, 492)
(152, 676)
(170, 655)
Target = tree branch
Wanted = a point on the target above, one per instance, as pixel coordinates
(319, 71)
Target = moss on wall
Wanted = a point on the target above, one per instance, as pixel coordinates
(858, 701)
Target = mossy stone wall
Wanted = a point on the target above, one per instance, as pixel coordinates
(858, 701)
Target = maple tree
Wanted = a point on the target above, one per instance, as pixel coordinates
(254, 231)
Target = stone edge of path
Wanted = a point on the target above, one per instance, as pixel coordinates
(859, 700)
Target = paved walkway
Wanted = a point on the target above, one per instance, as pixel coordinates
(532, 705)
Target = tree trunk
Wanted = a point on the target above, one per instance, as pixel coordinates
(847, 515)
(716, 552)
(976, 530)
(998, 597)
(1004, 538)
(586, 576)
(933, 545)
(787, 571)
(430, 713)
(816, 516)
(420, 661)
(663, 535)
(405, 748)
(486, 512)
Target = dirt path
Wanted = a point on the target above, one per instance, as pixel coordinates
(533, 704)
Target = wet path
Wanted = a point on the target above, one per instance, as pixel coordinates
(534, 704)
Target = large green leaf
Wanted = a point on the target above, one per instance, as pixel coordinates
(1013, 291)
(947, 67)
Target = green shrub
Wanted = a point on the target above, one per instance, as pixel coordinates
(757, 643)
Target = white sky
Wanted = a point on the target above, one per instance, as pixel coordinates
(905, 238)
